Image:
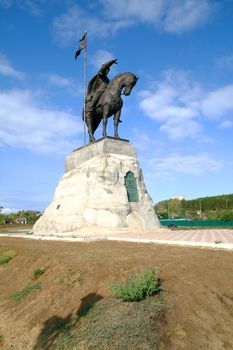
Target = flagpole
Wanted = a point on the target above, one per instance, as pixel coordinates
(85, 87)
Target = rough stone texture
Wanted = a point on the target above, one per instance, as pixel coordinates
(91, 197)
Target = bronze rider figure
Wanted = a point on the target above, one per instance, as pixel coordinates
(96, 86)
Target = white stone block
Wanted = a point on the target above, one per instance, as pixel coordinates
(92, 197)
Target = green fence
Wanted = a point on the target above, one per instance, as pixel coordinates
(201, 223)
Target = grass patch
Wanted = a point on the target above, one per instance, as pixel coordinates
(80, 278)
(112, 324)
(66, 340)
(137, 287)
(116, 325)
(70, 278)
(6, 256)
(37, 273)
(5, 259)
(23, 293)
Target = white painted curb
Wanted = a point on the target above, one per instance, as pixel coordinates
(86, 239)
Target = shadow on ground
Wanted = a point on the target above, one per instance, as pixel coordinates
(55, 326)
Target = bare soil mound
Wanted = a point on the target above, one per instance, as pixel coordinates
(67, 303)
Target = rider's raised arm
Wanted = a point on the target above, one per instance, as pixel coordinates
(105, 67)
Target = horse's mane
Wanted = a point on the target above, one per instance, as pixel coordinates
(118, 76)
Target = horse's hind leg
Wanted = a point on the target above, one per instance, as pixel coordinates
(116, 123)
(96, 122)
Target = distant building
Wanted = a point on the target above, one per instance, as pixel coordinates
(8, 221)
(21, 220)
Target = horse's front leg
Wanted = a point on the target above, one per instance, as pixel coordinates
(105, 119)
(116, 123)
(89, 121)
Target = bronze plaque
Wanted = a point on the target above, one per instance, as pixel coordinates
(131, 187)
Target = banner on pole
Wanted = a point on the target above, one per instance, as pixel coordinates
(82, 45)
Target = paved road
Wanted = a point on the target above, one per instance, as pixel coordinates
(215, 238)
(202, 236)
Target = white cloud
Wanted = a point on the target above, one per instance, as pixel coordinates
(5, 3)
(73, 87)
(100, 57)
(227, 124)
(75, 21)
(58, 80)
(180, 106)
(174, 16)
(141, 139)
(218, 103)
(177, 130)
(27, 124)
(174, 103)
(185, 164)
(170, 15)
(149, 11)
(185, 15)
(7, 69)
(10, 210)
(33, 7)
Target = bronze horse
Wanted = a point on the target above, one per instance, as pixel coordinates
(110, 103)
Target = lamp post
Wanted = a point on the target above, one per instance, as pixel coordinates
(168, 209)
(200, 208)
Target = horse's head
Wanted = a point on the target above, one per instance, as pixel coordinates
(130, 81)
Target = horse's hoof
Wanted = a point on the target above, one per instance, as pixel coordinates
(92, 139)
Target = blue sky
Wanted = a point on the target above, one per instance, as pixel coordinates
(179, 116)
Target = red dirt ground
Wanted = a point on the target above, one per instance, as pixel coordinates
(199, 284)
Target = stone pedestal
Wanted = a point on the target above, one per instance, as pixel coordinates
(101, 192)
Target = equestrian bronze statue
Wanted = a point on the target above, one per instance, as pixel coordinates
(104, 98)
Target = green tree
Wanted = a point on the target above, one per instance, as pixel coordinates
(225, 215)
(211, 208)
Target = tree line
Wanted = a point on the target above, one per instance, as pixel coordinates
(204, 208)
(30, 216)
